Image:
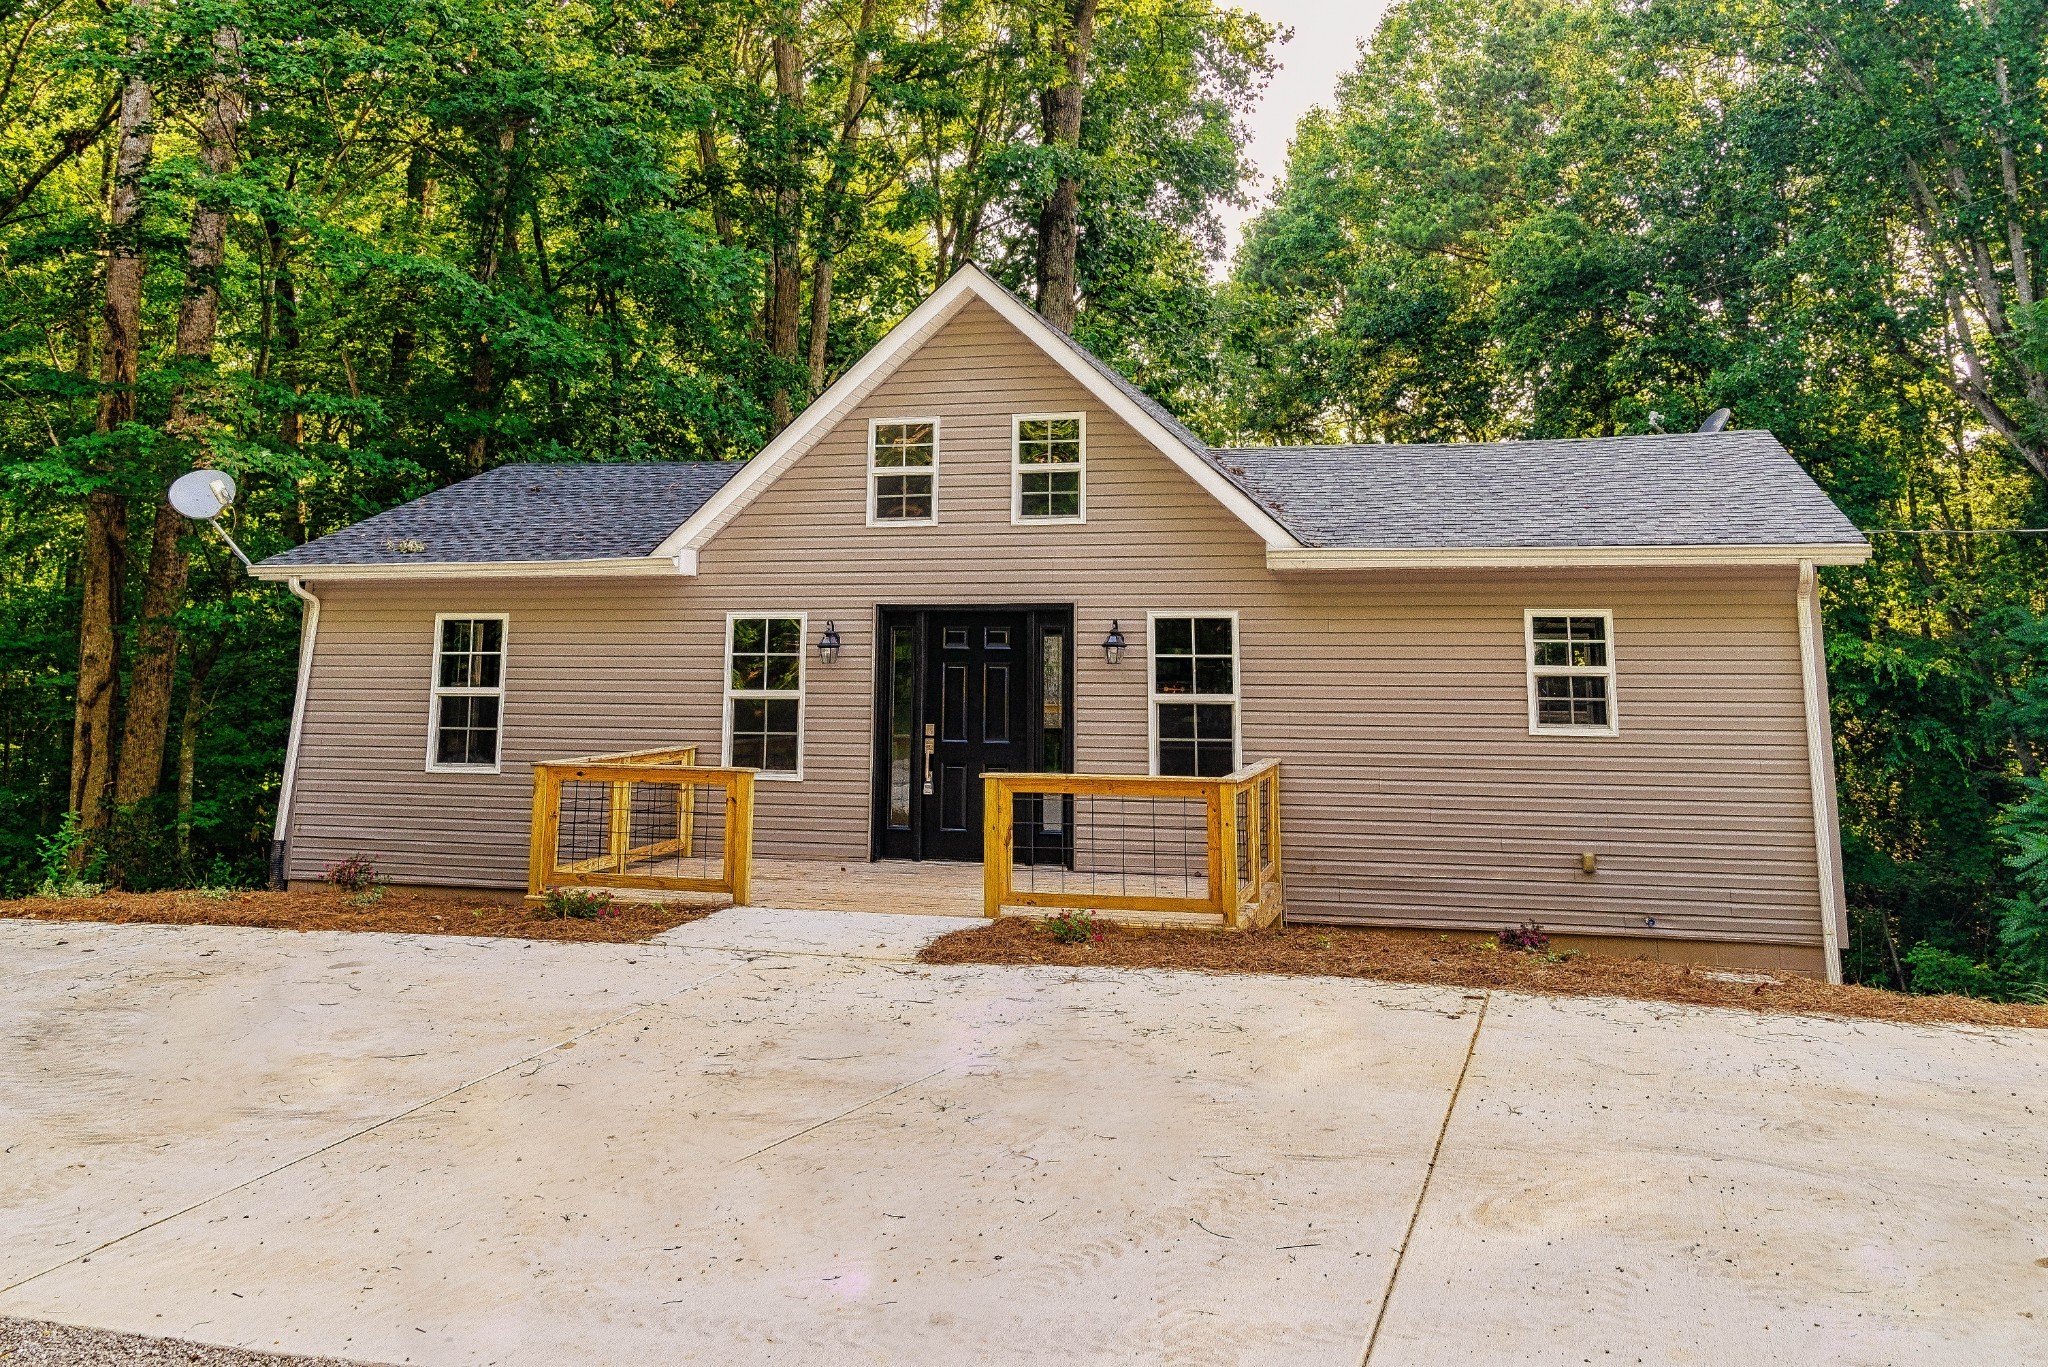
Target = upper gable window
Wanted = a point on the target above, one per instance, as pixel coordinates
(1048, 468)
(903, 470)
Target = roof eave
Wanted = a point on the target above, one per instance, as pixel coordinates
(1559, 557)
(607, 567)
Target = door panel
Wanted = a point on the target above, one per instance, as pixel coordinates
(961, 692)
(980, 717)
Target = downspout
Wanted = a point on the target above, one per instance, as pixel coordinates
(1827, 830)
(309, 631)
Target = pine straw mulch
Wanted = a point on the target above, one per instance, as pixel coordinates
(1329, 951)
(402, 911)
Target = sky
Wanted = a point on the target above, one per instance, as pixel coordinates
(1325, 45)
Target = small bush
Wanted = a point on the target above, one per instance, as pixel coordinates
(1527, 936)
(576, 904)
(1073, 927)
(354, 874)
(1940, 972)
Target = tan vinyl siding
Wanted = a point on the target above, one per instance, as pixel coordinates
(1414, 794)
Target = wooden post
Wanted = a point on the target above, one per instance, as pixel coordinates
(1279, 916)
(739, 835)
(996, 836)
(1223, 852)
(540, 853)
(621, 826)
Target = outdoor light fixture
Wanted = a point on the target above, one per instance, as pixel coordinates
(828, 644)
(1113, 644)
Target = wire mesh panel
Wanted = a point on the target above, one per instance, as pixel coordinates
(1115, 845)
(658, 822)
(1139, 847)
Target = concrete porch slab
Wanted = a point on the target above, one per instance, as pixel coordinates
(785, 930)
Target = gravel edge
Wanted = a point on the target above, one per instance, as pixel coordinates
(44, 1343)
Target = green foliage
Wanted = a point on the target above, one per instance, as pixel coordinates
(2023, 932)
(578, 904)
(1072, 927)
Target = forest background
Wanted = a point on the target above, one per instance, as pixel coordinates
(357, 250)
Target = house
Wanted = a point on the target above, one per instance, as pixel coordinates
(1574, 682)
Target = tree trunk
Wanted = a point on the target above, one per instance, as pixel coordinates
(106, 510)
(1059, 223)
(188, 752)
(419, 211)
(785, 265)
(713, 171)
(163, 591)
(833, 234)
(482, 370)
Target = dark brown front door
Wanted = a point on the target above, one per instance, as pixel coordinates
(963, 691)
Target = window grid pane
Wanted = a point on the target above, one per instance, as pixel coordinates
(766, 684)
(1571, 671)
(467, 691)
(1194, 685)
(1049, 456)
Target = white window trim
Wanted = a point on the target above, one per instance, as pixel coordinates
(1017, 469)
(803, 675)
(874, 470)
(435, 692)
(1154, 697)
(1536, 728)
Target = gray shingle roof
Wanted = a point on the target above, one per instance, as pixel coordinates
(1678, 489)
(528, 512)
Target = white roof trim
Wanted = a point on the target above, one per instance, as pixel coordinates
(889, 353)
(629, 566)
(1558, 557)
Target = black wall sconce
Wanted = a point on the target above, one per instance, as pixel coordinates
(828, 644)
(1113, 644)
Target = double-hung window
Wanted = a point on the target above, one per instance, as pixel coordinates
(764, 692)
(1194, 694)
(468, 694)
(1571, 672)
(903, 471)
(1048, 468)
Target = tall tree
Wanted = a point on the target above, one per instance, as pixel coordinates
(152, 679)
(1059, 222)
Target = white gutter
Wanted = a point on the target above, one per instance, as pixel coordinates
(1558, 557)
(309, 632)
(657, 565)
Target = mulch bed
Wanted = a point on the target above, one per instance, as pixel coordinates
(1456, 962)
(398, 911)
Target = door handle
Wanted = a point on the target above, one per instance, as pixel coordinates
(931, 745)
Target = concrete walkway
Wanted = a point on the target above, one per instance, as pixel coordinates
(772, 1138)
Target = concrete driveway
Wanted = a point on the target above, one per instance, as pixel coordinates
(772, 1138)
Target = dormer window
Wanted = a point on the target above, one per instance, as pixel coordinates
(1048, 468)
(903, 471)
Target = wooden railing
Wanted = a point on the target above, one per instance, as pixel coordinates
(1135, 848)
(646, 819)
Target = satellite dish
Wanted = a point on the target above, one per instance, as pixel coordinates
(202, 494)
(1716, 420)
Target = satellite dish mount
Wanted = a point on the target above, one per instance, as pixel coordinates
(203, 495)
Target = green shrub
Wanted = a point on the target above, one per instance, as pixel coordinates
(1936, 971)
(1073, 927)
(2023, 929)
(576, 904)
